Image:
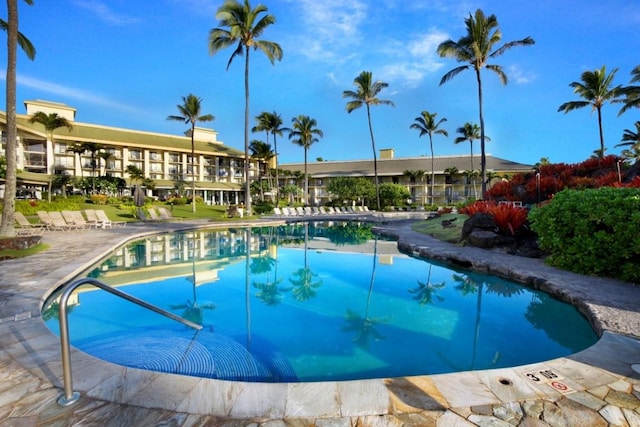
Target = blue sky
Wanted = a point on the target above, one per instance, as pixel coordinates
(128, 63)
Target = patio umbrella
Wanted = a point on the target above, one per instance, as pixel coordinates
(138, 199)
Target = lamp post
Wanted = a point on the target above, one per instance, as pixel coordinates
(538, 183)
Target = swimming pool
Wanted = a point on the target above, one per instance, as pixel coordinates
(311, 302)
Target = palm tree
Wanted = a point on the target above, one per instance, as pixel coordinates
(14, 38)
(426, 124)
(190, 111)
(135, 173)
(596, 90)
(366, 94)
(51, 122)
(245, 25)
(271, 123)
(470, 132)
(304, 134)
(106, 156)
(95, 149)
(631, 138)
(261, 151)
(476, 48)
(632, 93)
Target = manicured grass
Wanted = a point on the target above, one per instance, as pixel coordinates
(16, 253)
(433, 227)
(214, 213)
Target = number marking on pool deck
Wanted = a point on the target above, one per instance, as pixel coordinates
(549, 377)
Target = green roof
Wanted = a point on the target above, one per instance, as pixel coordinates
(83, 132)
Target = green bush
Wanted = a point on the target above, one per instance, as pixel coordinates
(592, 231)
(262, 207)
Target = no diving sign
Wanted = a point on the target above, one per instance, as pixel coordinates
(549, 377)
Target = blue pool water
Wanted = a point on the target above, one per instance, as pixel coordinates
(310, 302)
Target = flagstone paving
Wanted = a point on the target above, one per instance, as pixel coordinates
(596, 387)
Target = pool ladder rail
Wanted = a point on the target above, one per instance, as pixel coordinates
(70, 397)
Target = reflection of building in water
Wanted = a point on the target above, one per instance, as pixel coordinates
(196, 253)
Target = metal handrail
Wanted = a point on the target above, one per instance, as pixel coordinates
(70, 397)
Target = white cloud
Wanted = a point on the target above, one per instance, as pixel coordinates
(70, 92)
(331, 26)
(519, 76)
(105, 13)
(410, 69)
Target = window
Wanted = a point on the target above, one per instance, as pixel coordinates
(135, 155)
(64, 161)
(174, 158)
(155, 156)
(59, 148)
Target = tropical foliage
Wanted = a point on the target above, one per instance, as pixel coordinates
(190, 113)
(592, 231)
(596, 89)
(426, 124)
(534, 187)
(241, 25)
(475, 49)
(304, 132)
(366, 94)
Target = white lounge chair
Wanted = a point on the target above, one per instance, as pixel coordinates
(106, 222)
(26, 228)
(167, 215)
(277, 212)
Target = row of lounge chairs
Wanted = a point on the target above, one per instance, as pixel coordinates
(162, 214)
(65, 220)
(312, 211)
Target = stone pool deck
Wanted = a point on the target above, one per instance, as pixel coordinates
(596, 387)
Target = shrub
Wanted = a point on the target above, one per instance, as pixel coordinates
(99, 199)
(592, 231)
(508, 218)
(262, 207)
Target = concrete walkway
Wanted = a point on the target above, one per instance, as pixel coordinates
(597, 387)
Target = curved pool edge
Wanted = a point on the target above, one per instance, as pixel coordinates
(27, 340)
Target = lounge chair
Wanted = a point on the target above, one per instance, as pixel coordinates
(307, 210)
(277, 212)
(167, 215)
(72, 219)
(26, 228)
(61, 224)
(106, 222)
(331, 210)
(48, 222)
(92, 218)
(300, 211)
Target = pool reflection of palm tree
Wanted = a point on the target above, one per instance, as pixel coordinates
(427, 291)
(269, 291)
(467, 286)
(349, 233)
(193, 310)
(365, 326)
(304, 279)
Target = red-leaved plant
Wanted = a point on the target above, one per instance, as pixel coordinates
(508, 218)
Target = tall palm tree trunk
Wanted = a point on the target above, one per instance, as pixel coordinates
(277, 186)
(9, 204)
(306, 179)
(375, 159)
(473, 177)
(193, 169)
(433, 173)
(601, 155)
(247, 185)
(483, 158)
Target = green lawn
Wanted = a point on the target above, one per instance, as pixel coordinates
(433, 227)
